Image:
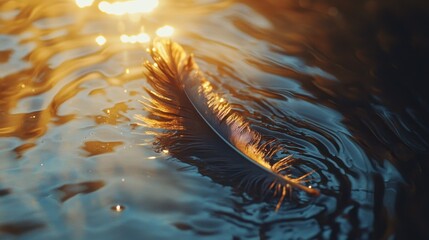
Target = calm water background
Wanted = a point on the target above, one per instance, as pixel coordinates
(341, 84)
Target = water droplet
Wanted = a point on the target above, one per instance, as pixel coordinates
(118, 208)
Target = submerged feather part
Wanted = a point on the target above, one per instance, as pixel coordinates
(176, 79)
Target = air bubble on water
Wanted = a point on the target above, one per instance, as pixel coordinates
(117, 208)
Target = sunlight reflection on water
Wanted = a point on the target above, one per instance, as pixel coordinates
(128, 7)
(73, 157)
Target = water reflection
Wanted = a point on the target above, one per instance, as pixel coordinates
(140, 38)
(128, 7)
(325, 79)
(84, 3)
(68, 191)
(166, 31)
(100, 40)
(118, 208)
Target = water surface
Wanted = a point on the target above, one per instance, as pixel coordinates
(339, 84)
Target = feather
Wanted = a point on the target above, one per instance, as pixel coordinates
(185, 104)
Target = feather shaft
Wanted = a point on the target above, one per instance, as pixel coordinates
(227, 123)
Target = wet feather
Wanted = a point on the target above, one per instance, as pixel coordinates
(181, 97)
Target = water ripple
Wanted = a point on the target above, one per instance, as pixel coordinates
(309, 74)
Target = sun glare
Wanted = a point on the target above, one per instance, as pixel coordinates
(128, 7)
(84, 3)
(100, 40)
(166, 31)
(140, 38)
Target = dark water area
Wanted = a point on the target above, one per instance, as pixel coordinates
(341, 84)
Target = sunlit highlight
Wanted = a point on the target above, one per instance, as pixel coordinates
(128, 7)
(100, 40)
(140, 38)
(84, 3)
(173, 70)
(166, 31)
(118, 208)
